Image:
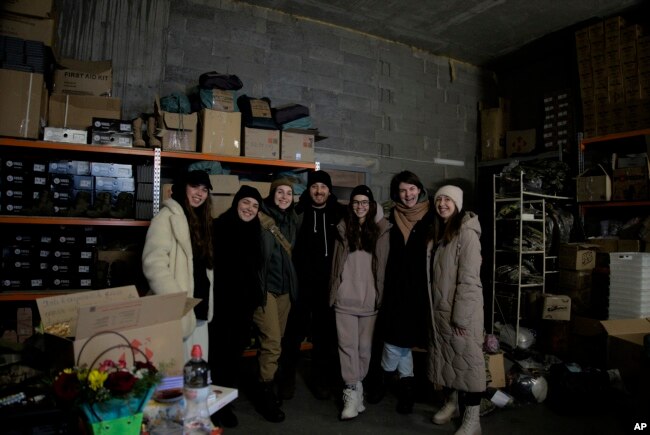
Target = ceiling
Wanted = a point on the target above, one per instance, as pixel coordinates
(474, 31)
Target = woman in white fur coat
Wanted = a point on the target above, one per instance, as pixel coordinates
(178, 255)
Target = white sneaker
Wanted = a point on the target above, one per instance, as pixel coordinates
(359, 391)
(350, 403)
(448, 411)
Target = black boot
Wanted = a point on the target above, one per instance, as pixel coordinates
(287, 387)
(405, 395)
(376, 386)
(267, 403)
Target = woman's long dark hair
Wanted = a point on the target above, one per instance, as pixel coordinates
(199, 220)
(445, 231)
(362, 236)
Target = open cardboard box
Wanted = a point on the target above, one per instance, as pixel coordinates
(625, 350)
(151, 323)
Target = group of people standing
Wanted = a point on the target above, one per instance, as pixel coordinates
(366, 288)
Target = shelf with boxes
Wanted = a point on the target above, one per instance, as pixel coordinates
(612, 186)
(24, 161)
(522, 261)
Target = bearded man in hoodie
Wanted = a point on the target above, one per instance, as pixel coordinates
(311, 315)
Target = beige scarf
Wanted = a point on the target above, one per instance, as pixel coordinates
(406, 218)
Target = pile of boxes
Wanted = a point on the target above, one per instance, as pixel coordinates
(47, 258)
(614, 70)
(558, 121)
(67, 188)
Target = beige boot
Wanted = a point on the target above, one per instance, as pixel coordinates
(471, 422)
(448, 411)
(154, 142)
(137, 133)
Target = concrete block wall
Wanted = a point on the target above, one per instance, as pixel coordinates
(384, 106)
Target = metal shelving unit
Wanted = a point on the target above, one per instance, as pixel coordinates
(531, 216)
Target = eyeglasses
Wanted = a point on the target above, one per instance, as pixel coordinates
(364, 203)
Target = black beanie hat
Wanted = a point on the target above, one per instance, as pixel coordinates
(198, 178)
(247, 192)
(194, 178)
(319, 177)
(364, 190)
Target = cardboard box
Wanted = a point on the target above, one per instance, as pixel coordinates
(65, 135)
(520, 141)
(556, 307)
(29, 28)
(260, 143)
(79, 77)
(262, 187)
(220, 132)
(78, 111)
(575, 279)
(220, 203)
(577, 256)
(33, 8)
(616, 245)
(151, 323)
(631, 183)
(297, 146)
(23, 104)
(496, 365)
(625, 351)
(494, 123)
(224, 184)
(594, 184)
(177, 131)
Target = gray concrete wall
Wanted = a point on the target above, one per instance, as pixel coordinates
(384, 106)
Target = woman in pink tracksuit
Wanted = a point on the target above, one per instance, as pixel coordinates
(356, 287)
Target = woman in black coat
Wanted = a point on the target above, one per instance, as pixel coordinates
(237, 291)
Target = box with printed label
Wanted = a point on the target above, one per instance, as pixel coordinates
(260, 143)
(83, 77)
(121, 170)
(65, 135)
(297, 146)
(577, 256)
(556, 307)
(78, 111)
(113, 125)
(111, 138)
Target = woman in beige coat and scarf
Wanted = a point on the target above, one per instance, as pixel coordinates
(178, 257)
(456, 356)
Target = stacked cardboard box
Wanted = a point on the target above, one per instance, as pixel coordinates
(494, 124)
(577, 261)
(614, 68)
(558, 120)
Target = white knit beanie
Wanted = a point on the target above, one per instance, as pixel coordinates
(453, 192)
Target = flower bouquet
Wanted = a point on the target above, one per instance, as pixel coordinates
(111, 394)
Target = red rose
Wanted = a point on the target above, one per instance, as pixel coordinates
(67, 387)
(120, 382)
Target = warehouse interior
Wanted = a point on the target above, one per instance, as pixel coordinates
(544, 106)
